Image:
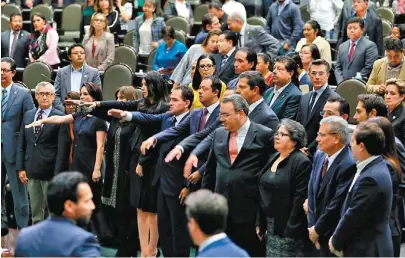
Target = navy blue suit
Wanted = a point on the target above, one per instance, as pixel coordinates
(363, 229)
(56, 236)
(305, 80)
(286, 105)
(223, 248)
(326, 195)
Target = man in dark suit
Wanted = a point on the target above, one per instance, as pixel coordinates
(373, 24)
(312, 103)
(14, 42)
(284, 97)
(215, 7)
(37, 156)
(363, 229)
(253, 36)
(73, 76)
(70, 204)
(225, 58)
(355, 55)
(239, 150)
(207, 214)
(15, 101)
(332, 171)
(245, 60)
(172, 222)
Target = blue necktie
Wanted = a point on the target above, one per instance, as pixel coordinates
(4, 98)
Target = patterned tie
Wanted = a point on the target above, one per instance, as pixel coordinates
(14, 44)
(233, 147)
(4, 98)
(351, 52)
(37, 129)
(325, 167)
(203, 120)
(224, 59)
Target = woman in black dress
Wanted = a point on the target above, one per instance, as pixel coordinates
(394, 96)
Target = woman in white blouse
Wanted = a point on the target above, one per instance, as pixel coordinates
(125, 9)
(179, 8)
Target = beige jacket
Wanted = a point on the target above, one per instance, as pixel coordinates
(378, 75)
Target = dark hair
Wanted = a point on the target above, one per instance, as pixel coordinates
(390, 150)
(296, 57)
(197, 76)
(215, 4)
(207, 20)
(63, 187)
(320, 62)
(13, 64)
(393, 44)
(265, 57)
(168, 31)
(315, 54)
(186, 94)
(401, 28)
(73, 46)
(290, 66)
(216, 84)
(344, 107)
(14, 15)
(157, 91)
(251, 55)
(211, 33)
(372, 136)
(73, 95)
(373, 101)
(315, 26)
(94, 90)
(356, 20)
(255, 79)
(40, 15)
(229, 35)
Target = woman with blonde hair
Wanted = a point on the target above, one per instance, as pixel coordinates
(99, 43)
(106, 7)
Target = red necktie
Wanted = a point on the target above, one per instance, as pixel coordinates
(203, 120)
(325, 167)
(233, 147)
(351, 52)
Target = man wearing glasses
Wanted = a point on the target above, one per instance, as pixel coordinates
(312, 103)
(73, 76)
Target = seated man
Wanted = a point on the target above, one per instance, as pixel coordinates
(209, 22)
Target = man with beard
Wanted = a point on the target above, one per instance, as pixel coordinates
(70, 206)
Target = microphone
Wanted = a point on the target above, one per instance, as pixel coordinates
(46, 77)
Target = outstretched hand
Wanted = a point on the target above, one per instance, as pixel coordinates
(34, 124)
(118, 113)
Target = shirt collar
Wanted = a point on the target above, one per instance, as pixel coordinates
(255, 104)
(80, 70)
(212, 107)
(284, 4)
(321, 90)
(46, 111)
(355, 42)
(365, 15)
(301, 75)
(211, 240)
(231, 51)
(361, 165)
(244, 127)
(333, 156)
(281, 89)
(179, 117)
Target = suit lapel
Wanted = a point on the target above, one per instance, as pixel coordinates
(250, 136)
(100, 44)
(85, 75)
(331, 171)
(45, 127)
(8, 43)
(11, 98)
(212, 117)
(356, 50)
(318, 170)
(68, 74)
(318, 104)
(256, 111)
(195, 121)
(225, 147)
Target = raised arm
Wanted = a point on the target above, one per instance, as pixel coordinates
(68, 119)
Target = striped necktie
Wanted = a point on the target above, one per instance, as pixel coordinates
(4, 98)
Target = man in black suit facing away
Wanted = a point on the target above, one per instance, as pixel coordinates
(224, 60)
(240, 149)
(37, 156)
(14, 42)
(311, 105)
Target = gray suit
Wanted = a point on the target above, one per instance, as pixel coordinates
(259, 40)
(19, 101)
(365, 54)
(62, 82)
(21, 50)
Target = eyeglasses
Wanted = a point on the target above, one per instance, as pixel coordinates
(280, 135)
(206, 67)
(44, 94)
(324, 134)
(3, 70)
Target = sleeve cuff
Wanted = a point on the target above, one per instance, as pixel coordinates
(128, 118)
(180, 147)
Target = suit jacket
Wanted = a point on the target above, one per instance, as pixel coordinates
(62, 238)
(310, 119)
(63, 82)
(305, 80)
(227, 72)
(222, 248)
(326, 195)
(372, 29)
(19, 101)
(21, 50)
(363, 229)
(286, 105)
(256, 38)
(238, 181)
(39, 155)
(105, 51)
(397, 119)
(365, 54)
(378, 75)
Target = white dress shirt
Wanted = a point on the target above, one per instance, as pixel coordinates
(277, 93)
(333, 157)
(211, 109)
(182, 10)
(242, 132)
(254, 105)
(76, 79)
(360, 166)
(319, 93)
(179, 117)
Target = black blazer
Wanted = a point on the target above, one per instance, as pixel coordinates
(310, 120)
(227, 72)
(21, 51)
(238, 182)
(283, 198)
(397, 118)
(39, 157)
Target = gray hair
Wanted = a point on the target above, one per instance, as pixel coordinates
(208, 209)
(238, 102)
(296, 130)
(44, 84)
(236, 15)
(337, 125)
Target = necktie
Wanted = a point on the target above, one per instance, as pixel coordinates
(173, 122)
(224, 59)
(14, 44)
(325, 167)
(351, 52)
(312, 103)
(4, 98)
(203, 120)
(239, 40)
(233, 147)
(37, 129)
